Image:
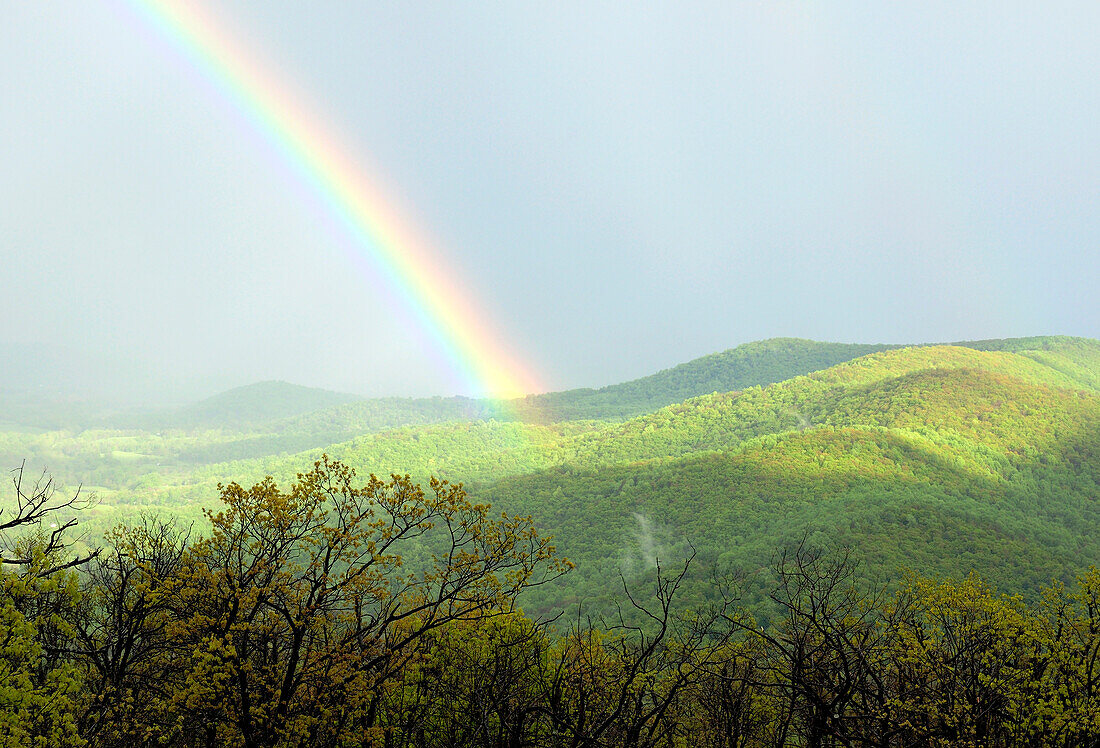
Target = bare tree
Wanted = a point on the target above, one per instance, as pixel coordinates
(825, 656)
(630, 687)
(34, 504)
(120, 631)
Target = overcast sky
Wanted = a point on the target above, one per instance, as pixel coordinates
(622, 187)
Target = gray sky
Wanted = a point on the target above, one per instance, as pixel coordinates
(622, 187)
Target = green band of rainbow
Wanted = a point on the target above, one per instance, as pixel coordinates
(392, 249)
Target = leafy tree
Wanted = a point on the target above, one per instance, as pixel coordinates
(479, 683)
(968, 657)
(300, 610)
(631, 685)
(39, 689)
(39, 686)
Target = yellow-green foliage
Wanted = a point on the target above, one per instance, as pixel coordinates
(40, 692)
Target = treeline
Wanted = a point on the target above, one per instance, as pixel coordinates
(378, 614)
(750, 365)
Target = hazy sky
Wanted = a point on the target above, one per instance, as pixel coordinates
(622, 187)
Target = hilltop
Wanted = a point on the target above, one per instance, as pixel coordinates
(257, 404)
(748, 365)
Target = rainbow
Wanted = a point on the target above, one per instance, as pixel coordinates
(401, 258)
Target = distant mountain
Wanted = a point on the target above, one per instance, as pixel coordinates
(864, 391)
(1064, 362)
(45, 387)
(747, 365)
(257, 405)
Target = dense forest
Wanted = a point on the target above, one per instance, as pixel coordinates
(342, 613)
(788, 543)
(979, 456)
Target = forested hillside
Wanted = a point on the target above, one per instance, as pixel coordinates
(752, 364)
(953, 457)
(749, 365)
(938, 459)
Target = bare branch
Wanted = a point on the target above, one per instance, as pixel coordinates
(34, 503)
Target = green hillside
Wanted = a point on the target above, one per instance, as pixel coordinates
(1073, 357)
(976, 471)
(982, 455)
(478, 452)
(748, 365)
(948, 458)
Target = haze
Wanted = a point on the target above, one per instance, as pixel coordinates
(622, 188)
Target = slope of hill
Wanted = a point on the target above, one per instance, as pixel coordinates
(1074, 357)
(903, 499)
(944, 470)
(982, 455)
